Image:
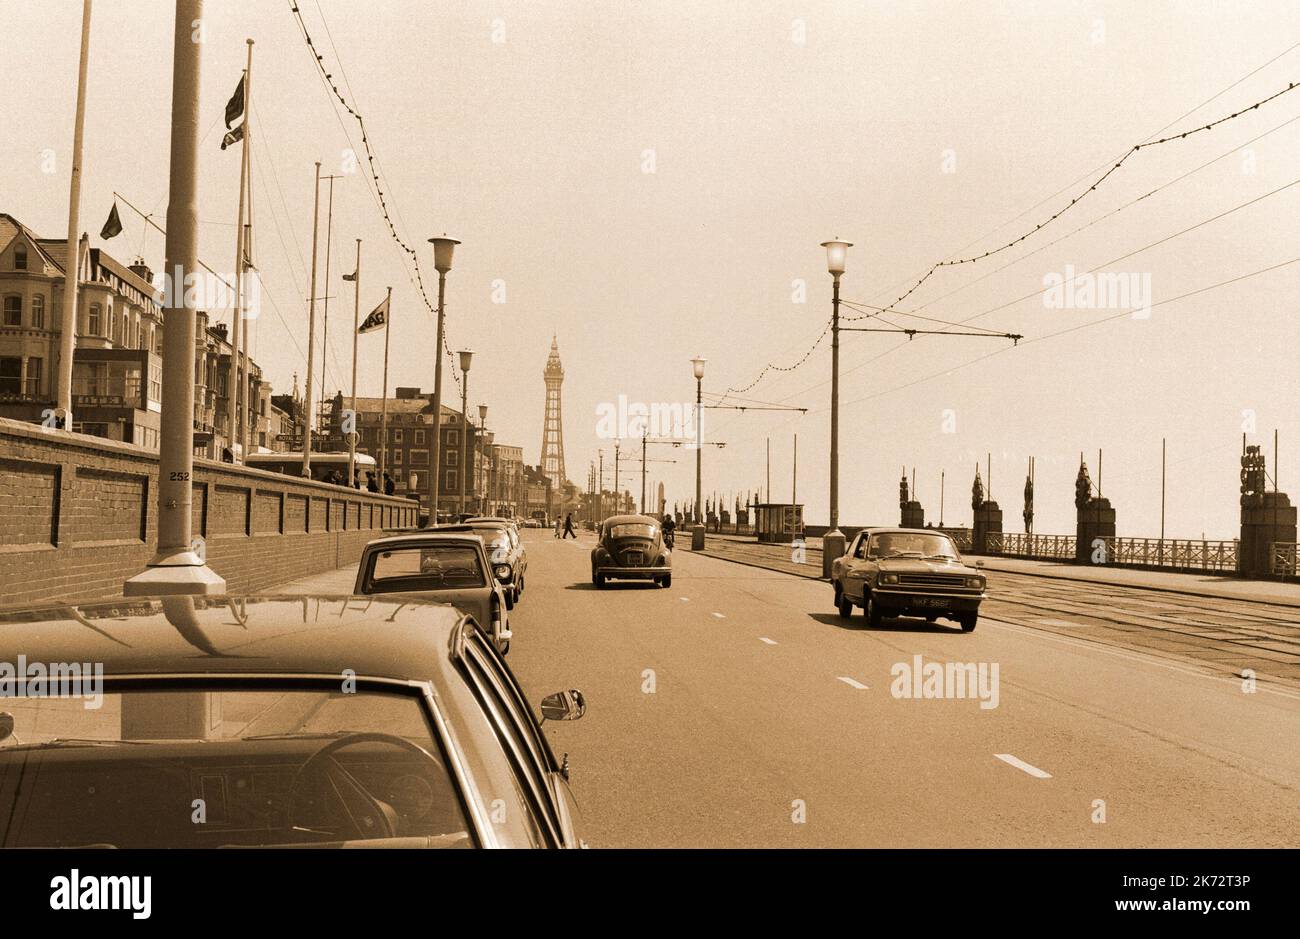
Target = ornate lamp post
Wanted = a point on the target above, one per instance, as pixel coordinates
(486, 508)
(833, 540)
(697, 530)
(442, 252)
(467, 463)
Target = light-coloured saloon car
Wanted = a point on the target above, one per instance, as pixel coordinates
(450, 567)
(290, 722)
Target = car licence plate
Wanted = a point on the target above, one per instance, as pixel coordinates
(929, 601)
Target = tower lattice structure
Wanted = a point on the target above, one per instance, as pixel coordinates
(552, 458)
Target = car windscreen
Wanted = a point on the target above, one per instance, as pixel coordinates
(633, 530)
(911, 544)
(427, 567)
(199, 765)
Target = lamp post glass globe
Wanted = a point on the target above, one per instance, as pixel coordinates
(835, 254)
(466, 356)
(482, 413)
(442, 251)
(697, 364)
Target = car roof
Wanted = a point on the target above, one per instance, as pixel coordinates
(449, 533)
(479, 519)
(630, 520)
(904, 531)
(391, 638)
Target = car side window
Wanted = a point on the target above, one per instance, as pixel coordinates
(513, 731)
(861, 552)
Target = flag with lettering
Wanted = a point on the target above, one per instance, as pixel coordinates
(377, 319)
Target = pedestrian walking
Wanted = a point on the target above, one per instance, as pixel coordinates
(558, 525)
(568, 527)
(389, 485)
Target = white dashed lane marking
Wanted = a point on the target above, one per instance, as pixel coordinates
(720, 615)
(770, 642)
(1022, 765)
(851, 683)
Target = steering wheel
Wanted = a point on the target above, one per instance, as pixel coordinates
(367, 816)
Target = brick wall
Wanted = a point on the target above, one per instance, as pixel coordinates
(78, 517)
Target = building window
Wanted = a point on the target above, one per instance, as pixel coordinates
(33, 377)
(453, 458)
(38, 311)
(397, 457)
(10, 375)
(419, 437)
(13, 311)
(397, 435)
(94, 324)
(20, 258)
(453, 438)
(419, 457)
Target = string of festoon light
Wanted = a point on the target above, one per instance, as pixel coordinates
(954, 262)
(418, 280)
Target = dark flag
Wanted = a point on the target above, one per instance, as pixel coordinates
(113, 227)
(233, 136)
(378, 319)
(235, 106)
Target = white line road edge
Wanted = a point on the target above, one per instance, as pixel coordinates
(1022, 765)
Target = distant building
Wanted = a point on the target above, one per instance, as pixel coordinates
(117, 363)
(537, 495)
(507, 493)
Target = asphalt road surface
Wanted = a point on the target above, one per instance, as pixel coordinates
(736, 709)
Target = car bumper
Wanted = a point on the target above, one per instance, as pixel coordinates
(917, 601)
(632, 573)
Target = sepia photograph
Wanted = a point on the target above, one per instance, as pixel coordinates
(461, 424)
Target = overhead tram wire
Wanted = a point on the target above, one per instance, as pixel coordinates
(1083, 194)
(1097, 169)
(1177, 179)
(1035, 293)
(377, 188)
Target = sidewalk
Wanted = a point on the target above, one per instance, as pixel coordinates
(781, 557)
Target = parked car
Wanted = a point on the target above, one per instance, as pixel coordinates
(437, 564)
(631, 547)
(276, 722)
(907, 572)
(532, 523)
(508, 550)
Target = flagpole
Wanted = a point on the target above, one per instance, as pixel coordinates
(72, 259)
(311, 328)
(234, 413)
(356, 313)
(383, 407)
(325, 332)
(246, 413)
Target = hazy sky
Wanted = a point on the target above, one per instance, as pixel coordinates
(649, 181)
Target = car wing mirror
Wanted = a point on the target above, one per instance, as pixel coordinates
(979, 563)
(564, 706)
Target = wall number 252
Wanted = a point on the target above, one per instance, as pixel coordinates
(179, 477)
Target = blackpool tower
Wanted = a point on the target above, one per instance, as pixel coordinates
(552, 461)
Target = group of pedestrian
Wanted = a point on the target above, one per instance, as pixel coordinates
(568, 531)
(373, 484)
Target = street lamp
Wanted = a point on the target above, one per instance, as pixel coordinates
(697, 367)
(442, 252)
(833, 540)
(482, 431)
(467, 464)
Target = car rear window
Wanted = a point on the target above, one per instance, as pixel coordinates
(426, 567)
(632, 530)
